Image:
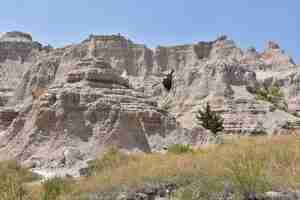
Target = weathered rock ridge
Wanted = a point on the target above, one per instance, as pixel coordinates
(227, 77)
(64, 106)
(17, 53)
(74, 121)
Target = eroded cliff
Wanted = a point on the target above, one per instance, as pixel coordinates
(64, 106)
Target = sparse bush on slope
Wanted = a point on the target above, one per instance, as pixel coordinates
(208, 188)
(112, 158)
(55, 187)
(166, 104)
(12, 179)
(272, 94)
(11, 187)
(180, 148)
(247, 171)
(210, 119)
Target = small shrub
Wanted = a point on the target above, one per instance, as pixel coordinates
(272, 94)
(12, 177)
(296, 114)
(166, 104)
(180, 148)
(111, 159)
(55, 187)
(11, 187)
(210, 119)
(206, 187)
(247, 170)
(13, 167)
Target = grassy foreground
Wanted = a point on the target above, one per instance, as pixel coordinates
(249, 165)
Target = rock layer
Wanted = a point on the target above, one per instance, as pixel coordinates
(93, 109)
(76, 100)
(208, 71)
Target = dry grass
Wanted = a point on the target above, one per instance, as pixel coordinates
(13, 177)
(254, 164)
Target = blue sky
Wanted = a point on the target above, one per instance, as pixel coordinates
(164, 22)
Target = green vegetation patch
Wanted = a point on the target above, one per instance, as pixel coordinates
(210, 119)
(180, 148)
(272, 94)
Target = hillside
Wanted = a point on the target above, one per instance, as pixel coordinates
(257, 168)
(61, 107)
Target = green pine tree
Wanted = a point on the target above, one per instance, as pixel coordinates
(210, 120)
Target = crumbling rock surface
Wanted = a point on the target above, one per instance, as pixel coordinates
(17, 53)
(64, 106)
(93, 109)
(15, 36)
(123, 54)
(208, 71)
(274, 55)
(7, 115)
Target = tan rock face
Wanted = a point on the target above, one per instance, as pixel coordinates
(123, 54)
(99, 72)
(275, 56)
(242, 115)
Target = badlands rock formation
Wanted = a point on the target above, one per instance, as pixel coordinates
(17, 53)
(227, 77)
(73, 121)
(62, 107)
